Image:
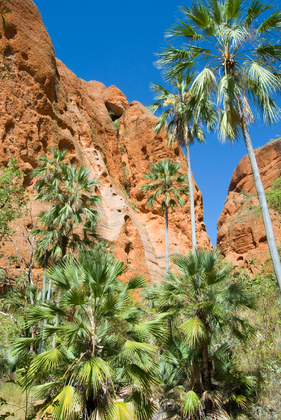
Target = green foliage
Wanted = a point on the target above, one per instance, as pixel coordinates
(168, 184)
(235, 49)
(95, 353)
(273, 196)
(13, 197)
(4, 10)
(116, 125)
(207, 323)
(183, 111)
(70, 192)
(263, 354)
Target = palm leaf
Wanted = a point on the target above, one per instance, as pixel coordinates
(67, 405)
(194, 330)
(119, 410)
(131, 349)
(191, 403)
(93, 374)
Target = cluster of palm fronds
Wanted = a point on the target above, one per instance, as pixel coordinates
(91, 353)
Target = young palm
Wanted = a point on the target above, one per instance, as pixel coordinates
(168, 186)
(72, 205)
(206, 312)
(181, 120)
(236, 52)
(101, 366)
(49, 176)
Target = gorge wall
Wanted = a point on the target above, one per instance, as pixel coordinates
(241, 234)
(43, 104)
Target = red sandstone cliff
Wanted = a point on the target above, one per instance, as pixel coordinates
(241, 234)
(45, 105)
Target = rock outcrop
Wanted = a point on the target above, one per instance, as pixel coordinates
(241, 234)
(43, 104)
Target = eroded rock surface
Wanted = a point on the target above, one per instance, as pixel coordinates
(241, 234)
(43, 104)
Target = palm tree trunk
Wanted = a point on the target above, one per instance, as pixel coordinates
(166, 242)
(263, 203)
(206, 372)
(191, 198)
(46, 263)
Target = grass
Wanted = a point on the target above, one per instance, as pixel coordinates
(17, 402)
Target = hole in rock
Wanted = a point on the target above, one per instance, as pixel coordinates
(112, 115)
(177, 151)
(8, 52)
(240, 258)
(9, 126)
(143, 149)
(27, 180)
(10, 32)
(66, 145)
(74, 161)
(24, 56)
(128, 247)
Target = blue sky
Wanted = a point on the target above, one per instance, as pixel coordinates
(115, 43)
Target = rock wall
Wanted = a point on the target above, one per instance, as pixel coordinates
(43, 104)
(241, 234)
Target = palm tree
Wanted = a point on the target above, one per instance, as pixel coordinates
(205, 309)
(72, 205)
(236, 52)
(101, 366)
(49, 177)
(168, 186)
(181, 120)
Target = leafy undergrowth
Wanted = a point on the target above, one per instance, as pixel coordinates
(263, 354)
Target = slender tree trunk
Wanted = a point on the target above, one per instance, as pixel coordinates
(191, 197)
(206, 372)
(166, 242)
(263, 203)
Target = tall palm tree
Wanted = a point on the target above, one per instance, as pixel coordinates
(181, 120)
(168, 186)
(101, 366)
(236, 52)
(206, 311)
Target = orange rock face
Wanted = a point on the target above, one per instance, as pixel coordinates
(43, 105)
(241, 234)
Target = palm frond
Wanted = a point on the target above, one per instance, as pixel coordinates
(191, 403)
(67, 405)
(193, 330)
(93, 374)
(120, 410)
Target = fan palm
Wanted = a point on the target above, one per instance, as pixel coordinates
(236, 52)
(168, 186)
(101, 366)
(182, 120)
(205, 311)
(49, 177)
(72, 198)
